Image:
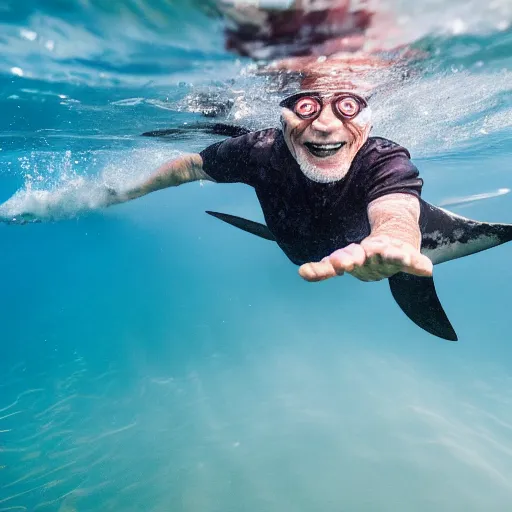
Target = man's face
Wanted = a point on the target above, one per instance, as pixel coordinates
(324, 132)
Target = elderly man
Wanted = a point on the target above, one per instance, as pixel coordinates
(336, 200)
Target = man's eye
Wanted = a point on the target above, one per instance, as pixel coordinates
(348, 107)
(307, 107)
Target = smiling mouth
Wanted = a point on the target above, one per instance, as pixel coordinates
(323, 150)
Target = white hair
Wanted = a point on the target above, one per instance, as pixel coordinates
(319, 175)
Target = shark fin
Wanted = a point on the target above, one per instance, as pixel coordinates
(229, 130)
(415, 295)
(418, 299)
(255, 228)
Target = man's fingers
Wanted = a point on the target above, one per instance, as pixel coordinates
(345, 260)
(393, 255)
(399, 256)
(370, 261)
(317, 271)
(382, 251)
(420, 266)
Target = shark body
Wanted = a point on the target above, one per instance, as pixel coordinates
(445, 236)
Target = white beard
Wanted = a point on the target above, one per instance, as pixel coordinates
(319, 175)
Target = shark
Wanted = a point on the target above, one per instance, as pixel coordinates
(446, 236)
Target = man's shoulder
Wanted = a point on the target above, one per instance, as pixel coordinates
(259, 147)
(262, 139)
(240, 159)
(242, 145)
(386, 168)
(378, 146)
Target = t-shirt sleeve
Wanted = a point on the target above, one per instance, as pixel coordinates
(393, 173)
(232, 160)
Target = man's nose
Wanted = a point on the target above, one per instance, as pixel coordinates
(326, 122)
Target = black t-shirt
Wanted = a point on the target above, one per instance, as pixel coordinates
(311, 220)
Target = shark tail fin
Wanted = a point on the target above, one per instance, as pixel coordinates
(417, 297)
(507, 232)
(255, 228)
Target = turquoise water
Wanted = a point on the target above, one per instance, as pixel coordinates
(154, 359)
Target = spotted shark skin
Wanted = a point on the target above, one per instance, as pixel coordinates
(445, 236)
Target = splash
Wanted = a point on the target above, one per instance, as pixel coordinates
(448, 111)
(64, 191)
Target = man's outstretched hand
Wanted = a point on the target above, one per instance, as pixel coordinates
(376, 258)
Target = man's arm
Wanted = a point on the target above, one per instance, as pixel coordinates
(396, 216)
(393, 245)
(184, 169)
(24, 207)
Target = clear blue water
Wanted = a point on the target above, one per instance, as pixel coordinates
(153, 359)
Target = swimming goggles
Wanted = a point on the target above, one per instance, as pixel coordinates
(309, 104)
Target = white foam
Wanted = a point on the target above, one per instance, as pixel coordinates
(62, 191)
(450, 110)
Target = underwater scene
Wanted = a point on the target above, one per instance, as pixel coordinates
(154, 358)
